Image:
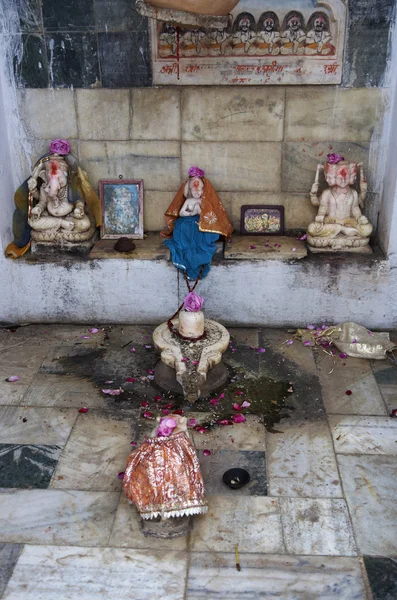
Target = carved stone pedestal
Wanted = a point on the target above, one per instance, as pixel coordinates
(52, 249)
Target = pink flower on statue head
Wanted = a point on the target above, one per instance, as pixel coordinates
(193, 302)
(60, 147)
(334, 159)
(195, 172)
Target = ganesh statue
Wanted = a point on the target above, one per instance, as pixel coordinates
(339, 225)
(56, 206)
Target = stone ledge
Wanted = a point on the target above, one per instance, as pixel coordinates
(150, 248)
(252, 247)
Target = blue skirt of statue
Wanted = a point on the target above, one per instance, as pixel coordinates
(191, 248)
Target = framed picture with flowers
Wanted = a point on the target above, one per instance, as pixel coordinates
(122, 208)
(260, 219)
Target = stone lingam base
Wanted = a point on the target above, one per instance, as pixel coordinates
(193, 369)
(339, 244)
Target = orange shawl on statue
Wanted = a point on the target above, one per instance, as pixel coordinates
(213, 217)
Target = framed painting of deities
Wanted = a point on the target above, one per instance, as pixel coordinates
(122, 208)
(259, 219)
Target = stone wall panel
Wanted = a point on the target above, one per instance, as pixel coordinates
(230, 114)
(156, 114)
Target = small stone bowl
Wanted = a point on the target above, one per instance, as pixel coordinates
(236, 478)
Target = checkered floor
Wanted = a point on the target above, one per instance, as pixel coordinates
(317, 519)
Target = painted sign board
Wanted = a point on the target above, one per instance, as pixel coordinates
(283, 42)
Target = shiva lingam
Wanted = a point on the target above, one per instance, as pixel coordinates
(191, 352)
(192, 346)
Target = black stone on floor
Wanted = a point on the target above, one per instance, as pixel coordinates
(214, 466)
(382, 575)
(27, 466)
(9, 554)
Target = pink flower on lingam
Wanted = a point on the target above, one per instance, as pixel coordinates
(334, 159)
(193, 302)
(195, 172)
(166, 427)
(61, 147)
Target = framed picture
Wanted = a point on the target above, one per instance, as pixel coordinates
(122, 208)
(259, 219)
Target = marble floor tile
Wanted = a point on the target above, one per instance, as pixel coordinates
(55, 362)
(62, 391)
(356, 376)
(127, 533)
(317, 526)
(382, 575)
(301, 462)
(302, 356)
(48, 426)
(9, 554)
(46, 335)
(214, 466)
(244, 336)
(214, 576)
(364, 435)
(389, 393)
(385, 372)
(27, 466)
(370, 485)
(252, 522)
(96, 451)
(49, 572)
(57, 517)
(23, 361)
(250, 435)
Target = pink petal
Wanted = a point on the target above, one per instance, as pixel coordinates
(224, 422)
(234, 349)
(195, 362)
(348, 392)
(393, 413)
(170, 405)
(308, 343)
(184, 360)
(239, 393)
(179, 411)
(200, 429)
(150, 371)
(206, 452)
(252, 247)
(85, 337)
(109, 381)
(214, 401)
(245, 404)
(354, 341)
(370, 332)
(238, 418)
(132, 350)
(168, 422)
(148, 415)
(311, 327)
(13, 378)
(148, 346)
(221, 396)
(93, 330)
(342, 355)
(121, 475)
(157, 398)
(128, 380)
(133, 443)
(303, 238)
(324, 326)
(289, 342)
(83, 410)
(150, 377)
(261, 350)
(293, 249)
(192, 422)
(165, 411)
(145, 403)
(236, 406)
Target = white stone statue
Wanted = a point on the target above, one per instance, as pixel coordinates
(339, 224)
(193, 193)
(54, 217)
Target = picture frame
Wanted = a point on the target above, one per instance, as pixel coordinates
(122, 208)
(262, 219)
